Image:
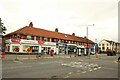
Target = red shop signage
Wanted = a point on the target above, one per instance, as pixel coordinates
(40, 42)
(15, 40)
(86, 46)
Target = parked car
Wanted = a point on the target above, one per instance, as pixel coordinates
(111, 53)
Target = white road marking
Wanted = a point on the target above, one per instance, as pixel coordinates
(84, 72)
(90, 70)
(66, 76)
(95, 69)
(78, 71)
(70, 73)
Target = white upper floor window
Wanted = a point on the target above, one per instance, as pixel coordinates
(29, 37)
(50, 39)
(45, 39)
(40, 38)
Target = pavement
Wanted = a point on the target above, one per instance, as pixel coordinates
(24, 57)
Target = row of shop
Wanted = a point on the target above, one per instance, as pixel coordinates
(33, 46)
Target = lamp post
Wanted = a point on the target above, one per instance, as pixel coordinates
(87, 49)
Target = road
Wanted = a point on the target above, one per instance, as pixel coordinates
(75, 67)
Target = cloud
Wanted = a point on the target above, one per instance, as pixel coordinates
(70, 15)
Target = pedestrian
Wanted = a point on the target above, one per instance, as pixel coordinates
(51, 52)
(119, 59)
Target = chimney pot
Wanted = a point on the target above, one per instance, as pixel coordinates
(31, 24)
(56, 29)
(73, 34)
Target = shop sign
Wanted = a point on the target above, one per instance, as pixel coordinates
(86, 46)
(15, 40)
(7, 41)
(29, 41)
(40, 42)
(91, 46)
(72, 44)
(49, 43)
(80, 46)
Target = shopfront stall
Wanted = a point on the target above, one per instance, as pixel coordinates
(80, 50)
(23, 46)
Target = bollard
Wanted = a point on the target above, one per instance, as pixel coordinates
(2, 55)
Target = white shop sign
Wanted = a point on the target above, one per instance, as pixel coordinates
(80, 46)
(49, 43)
(29, 41)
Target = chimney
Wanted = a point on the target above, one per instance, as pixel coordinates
(31, 24)
(85, 37)
(73, 34)
(56, 29)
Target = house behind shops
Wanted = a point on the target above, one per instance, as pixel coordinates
(107, 45)
(31, 39)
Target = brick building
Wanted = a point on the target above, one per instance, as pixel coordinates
(37, 40)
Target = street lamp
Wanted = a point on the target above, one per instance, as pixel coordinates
(87, 49)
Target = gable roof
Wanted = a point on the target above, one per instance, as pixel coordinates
(28, 30)
(110, 41)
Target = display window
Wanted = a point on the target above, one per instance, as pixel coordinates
(27, 48)
(35, 48)
(15, 48)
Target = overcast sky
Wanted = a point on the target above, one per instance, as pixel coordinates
(69, 16)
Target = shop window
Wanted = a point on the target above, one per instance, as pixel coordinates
(27, 48)
(15, 48)
(29, 37)
(35, 48)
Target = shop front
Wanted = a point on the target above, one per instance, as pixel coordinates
(62, 48)
(87, 49)
(92, 50)
(22, 46)
(47, 46)
(80, 50)
(72, 48)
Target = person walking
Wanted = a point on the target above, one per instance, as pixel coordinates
(51, 52)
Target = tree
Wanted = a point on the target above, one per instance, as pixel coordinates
(2, 27)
